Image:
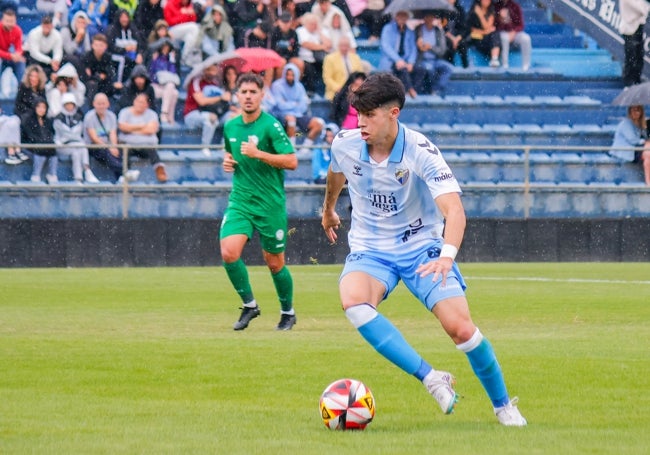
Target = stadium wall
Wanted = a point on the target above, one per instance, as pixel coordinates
(194, 242)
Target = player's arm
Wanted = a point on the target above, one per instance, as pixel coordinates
(281, 161)
(330, 220)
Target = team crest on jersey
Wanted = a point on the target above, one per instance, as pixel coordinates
(402, 176)
(254, 139)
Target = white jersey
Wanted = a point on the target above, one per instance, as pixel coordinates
(393, 202)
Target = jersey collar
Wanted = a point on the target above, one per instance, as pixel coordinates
(396, 153)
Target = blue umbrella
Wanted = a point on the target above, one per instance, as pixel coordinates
(419, 6)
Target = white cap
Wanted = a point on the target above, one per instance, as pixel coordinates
(68, 98)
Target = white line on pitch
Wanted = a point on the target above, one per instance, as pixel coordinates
(556, 280)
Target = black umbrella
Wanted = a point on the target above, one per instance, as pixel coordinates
(634, 95)
(418, 7)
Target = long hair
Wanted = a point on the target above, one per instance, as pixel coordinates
(641, 123)
(42, 78)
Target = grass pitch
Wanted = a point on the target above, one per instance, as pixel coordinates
(107, 361)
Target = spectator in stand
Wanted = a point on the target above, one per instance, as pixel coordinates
(455, 26)
(509, 21)
(138, 126)
(324, 10)
(183, 28)
(164, 73)
(205, 103)
(338, 66)
(76, 40)
(216, 34)
(36, 128)
(482, 30)
(284, 40)
(372, 17)
(100, 128)
(146, 15)
(399, 51)
(58, 9)
(124, 44)
(291, 106)
(68, 136)
(322, 157)
(44, 46)
(159, 32)
(254, 25)
(139, 82)
(229, 84)
(128, 5)
(11, 46)
(336, 27)
(314, 46)
(98, 12)
(10, 134)
(632, 132)
(30, 90)
(99, 75)
(432, 71)
(343, 113)
(634, 14)
(66, 81)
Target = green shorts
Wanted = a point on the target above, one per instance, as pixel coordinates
(272, 228)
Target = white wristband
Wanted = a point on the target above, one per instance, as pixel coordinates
(448, 251)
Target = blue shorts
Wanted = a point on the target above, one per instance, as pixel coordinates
(389, 269)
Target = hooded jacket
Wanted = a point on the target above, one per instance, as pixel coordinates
(223, 33)
(146, 15)
(289, 99)
(97, 10)
(33, 132)
(69, 35)
(68, 126)
(131, 89)
(119, 37)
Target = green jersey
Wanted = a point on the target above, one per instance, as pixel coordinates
(257, 188)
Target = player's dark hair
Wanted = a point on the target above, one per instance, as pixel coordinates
(250, 77)
(379, 89)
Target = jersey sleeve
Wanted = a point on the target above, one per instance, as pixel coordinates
(279, 138)
(434, 170)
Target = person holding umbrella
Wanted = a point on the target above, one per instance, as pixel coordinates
(632, 132)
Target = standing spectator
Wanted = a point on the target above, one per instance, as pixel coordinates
(164, 73)
(11, 47)
(66, 81)
(58, 9)
(100, 128)
(284, 40)
(314, 46)
(31, 89)
(338, 66)
(76, 40)
(36, 128)
(509, 22)
(10, 133)
(146, 15)
(291, 106)
(99, 75)
(45, 46)
(138, 126)
(343, 113)
(98, 12)
(257, 153)
(634, 14)
(68, 136)
(399, 51)
(183, 28)
(455, 27)
(632, 132)
(216, 35)
(254, 24)
(432, 71)
(124, 44)
(482, 30)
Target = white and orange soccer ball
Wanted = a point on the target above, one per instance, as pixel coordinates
(347, 404)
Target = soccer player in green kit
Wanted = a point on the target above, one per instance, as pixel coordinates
(257, 153)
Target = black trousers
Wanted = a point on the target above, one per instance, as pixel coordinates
(633, 63)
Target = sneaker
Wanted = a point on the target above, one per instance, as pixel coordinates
(51, 178)
(35, 178)
(22, 156)
(494, 63)
(206, 151)
(89, 177)
(286, 322)
(509, 415)
(440, 384)
(247, 313)
(132, 175)
(13, 159)
(161, 175)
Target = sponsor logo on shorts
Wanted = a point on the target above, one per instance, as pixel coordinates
(279, 234)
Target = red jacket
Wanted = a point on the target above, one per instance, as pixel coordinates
(509, 16)
(173, 15)
(9, 37)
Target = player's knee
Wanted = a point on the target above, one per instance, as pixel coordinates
(360, 314)
(229, 254)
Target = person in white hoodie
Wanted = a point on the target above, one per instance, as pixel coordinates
(68, 136)
(66, 80)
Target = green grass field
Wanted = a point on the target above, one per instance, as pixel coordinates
(144, 361)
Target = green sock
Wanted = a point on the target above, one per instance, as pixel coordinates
(238, 276)
(284, 287)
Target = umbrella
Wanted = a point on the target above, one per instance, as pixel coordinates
(419, 6)
(634, 95)
(259, 59)
(229, 58)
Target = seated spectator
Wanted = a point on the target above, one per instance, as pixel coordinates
(205, 103)
(76, 40)
(31, 89)
(10, 134)
(335, 27)
(138, 126)
(216, 34)
(455, 28)
(284, 40)
(124, 45)
(314, 46)
(147, 14)
(632, 132)
(399, 51)
(68, 136)
(36, 128)
(372, 17)
(66, 81)
(100, 128)
(99, 74)
(291, 106)
(509, 21)
(164, 73)
(325, 9)
(11, 47)
(128, 5)
(322, 157)
(338, 66)
(138, 83)
(343, 113)
(432, 71)
(184, 30)
(482, 30)
(98, 12)
(44, 47)
(58, 9)
(254, 24)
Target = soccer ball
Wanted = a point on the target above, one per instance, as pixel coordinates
(347, 404)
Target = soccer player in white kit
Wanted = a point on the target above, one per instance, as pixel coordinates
(407, 224)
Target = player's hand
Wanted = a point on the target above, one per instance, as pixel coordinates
(229, 163)
(331, 222)
(439, 268)
(249, 149)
